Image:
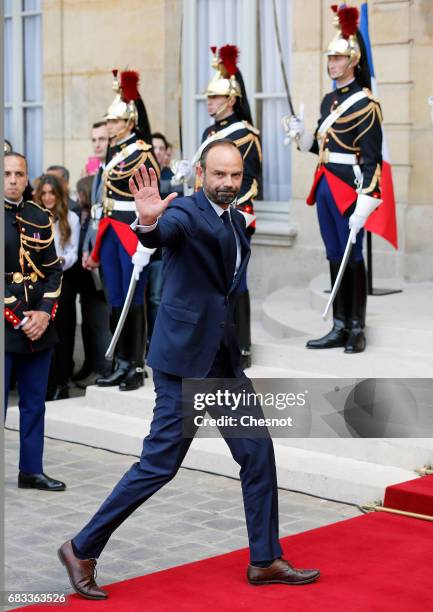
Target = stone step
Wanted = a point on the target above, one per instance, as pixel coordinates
(291, 354)
(404, 453)
(110, 400)
(401, 321)
(74, 420)
(393, 320)
(323, 474)
(140, 403)
(329, 476)
(335, 477)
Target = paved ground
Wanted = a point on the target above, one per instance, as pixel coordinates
(195, 516)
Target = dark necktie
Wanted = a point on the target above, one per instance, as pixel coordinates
(98, 179)
(231, 248)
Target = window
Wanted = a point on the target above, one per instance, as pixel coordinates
(249, 24)
(23, 80)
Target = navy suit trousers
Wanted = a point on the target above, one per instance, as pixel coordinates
(163, 451)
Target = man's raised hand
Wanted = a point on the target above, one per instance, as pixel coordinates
(144, 187)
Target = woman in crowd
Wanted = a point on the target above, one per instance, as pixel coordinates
(50, 194)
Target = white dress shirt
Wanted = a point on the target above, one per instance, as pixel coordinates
(69, 251)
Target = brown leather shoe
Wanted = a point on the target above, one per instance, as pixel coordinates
(280, 572)
(81, 573)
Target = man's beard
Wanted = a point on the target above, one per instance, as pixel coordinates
(221, 196)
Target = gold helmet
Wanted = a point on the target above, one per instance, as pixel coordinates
(345, 42)
(224, 82)
(123, 106)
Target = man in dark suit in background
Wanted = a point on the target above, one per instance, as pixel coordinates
(206, 253)
(94, 308)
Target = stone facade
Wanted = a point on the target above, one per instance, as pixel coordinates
(402, 37)
(83, 41)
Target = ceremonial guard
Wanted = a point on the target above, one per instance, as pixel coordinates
(346, 187)
(33, 276)
(228, 105)
(117, 247)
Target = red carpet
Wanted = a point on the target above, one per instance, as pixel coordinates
(411, 496)
(373, 563)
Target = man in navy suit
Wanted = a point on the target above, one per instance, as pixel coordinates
(194, 337)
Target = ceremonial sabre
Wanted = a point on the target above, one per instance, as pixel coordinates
(133, 282)
(280, 54)
(179, 88)
(343, 265)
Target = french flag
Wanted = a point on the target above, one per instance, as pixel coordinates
(383, 221)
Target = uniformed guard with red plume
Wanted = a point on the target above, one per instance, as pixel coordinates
(117, 248)
(346, 187)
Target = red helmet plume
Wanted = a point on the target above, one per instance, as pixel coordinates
(348, 16)
(129, 84)
(228, 55)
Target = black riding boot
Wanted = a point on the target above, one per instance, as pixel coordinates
(356, 342)
(121, 361)
(242, 316)
(136, 330)
(338, 334)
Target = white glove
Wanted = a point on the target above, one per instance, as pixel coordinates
(295, 130)
(141, 258)
(183, 171)
(365, 205)
(296, 126)
(293, 126)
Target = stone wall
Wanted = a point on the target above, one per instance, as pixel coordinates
(83, 41)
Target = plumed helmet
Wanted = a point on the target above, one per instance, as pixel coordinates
(345, 42)
(128, 104)
(224, 82)
(123, 106)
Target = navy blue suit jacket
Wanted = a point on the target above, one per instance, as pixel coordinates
(196, 309)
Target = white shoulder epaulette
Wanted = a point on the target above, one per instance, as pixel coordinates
(252, 129)
(143, 146)
(370, 95)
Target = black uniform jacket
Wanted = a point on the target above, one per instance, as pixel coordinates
(116, 180)
(247, 140)
(33, 273)
(357, 131)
